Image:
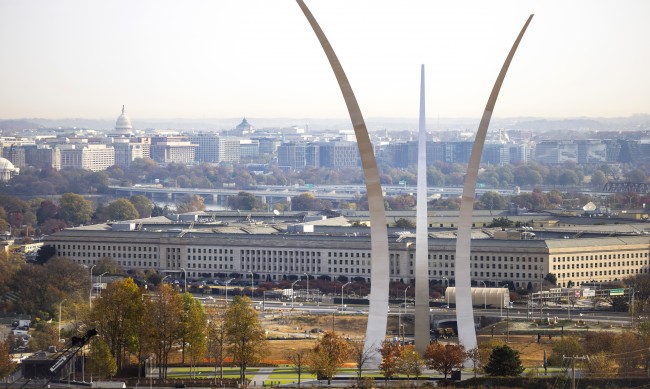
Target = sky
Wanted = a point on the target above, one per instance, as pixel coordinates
(259, 58)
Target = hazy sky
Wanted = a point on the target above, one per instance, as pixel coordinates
(260, 58)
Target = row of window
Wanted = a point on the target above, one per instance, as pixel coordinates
(600, 257)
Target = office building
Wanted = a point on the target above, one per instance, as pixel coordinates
(276, 251)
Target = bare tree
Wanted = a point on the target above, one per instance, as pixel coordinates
(298, 358)
(360, 355)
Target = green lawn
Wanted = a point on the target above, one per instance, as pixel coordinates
(228, 372)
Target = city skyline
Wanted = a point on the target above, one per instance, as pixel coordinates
(168, 60)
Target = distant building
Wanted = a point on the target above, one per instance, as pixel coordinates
(173, 151)
(126, 151)
(292, 155)
(123, 124)
(93, 157)
(7, 170)
(249, 148)
(212, 148)
(43, 157)
(339, 154)
(556, 152)
(591, 151)
(16, 154)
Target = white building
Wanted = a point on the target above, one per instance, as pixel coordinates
(7, 170)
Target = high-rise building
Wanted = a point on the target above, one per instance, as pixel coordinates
(213, 148)
(292, 155)
(94, 157)
(591, 151)
(249, 148)
(339, 154)
(43, 157)
(173, 151)
(126, 151)
(556, 152)
(495, 154)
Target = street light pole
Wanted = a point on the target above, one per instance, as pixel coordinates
(252, 286)
(342, 287)
(447, 294)
(227, 283)
(307, 285)
(405, 289)
(100, 282)
(502, 296)
(90, 300)
(184, 280)
(292, 295)
(484, 294)
(61, 303)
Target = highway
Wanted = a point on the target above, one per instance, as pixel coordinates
(516, 313)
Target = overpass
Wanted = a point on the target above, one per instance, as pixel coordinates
(273, 193)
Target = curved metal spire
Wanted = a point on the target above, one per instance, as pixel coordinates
(464, 312)
(378, 313)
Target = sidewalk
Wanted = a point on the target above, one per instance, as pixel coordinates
(261, 376)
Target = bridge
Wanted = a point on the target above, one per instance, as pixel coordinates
(626, 187)
(275, 193)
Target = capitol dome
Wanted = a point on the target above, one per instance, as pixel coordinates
(123, 123)
(7, 170)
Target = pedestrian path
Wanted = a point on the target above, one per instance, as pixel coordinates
(261, 376)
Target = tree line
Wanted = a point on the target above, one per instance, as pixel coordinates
(42, 182)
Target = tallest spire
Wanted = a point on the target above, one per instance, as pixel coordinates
(122, 109)
(422, 321)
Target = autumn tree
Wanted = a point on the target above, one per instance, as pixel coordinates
(163, 320)
(404, 223)
(74, 209)
(142, 204)
(43, 287)
(628, 351)
(101, 362)
(245, 337)
(43, 336)
(116, 315)
(244, 201)
(504, 361)
(474, 355)
(409, 362)
(121, 209)
(7, 366)
(9, 266)
(328, 355)
(194, 322)
(191, 203)
(599, 341)
(568, 345)
(389, 354)
(47, 210)
(309, 202)
(601, 365)
(444, 358)
(216, 339)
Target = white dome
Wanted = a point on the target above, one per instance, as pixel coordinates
(6, 164)
(7, 170)
(123, 123)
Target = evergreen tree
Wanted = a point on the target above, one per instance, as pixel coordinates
(504, 361)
